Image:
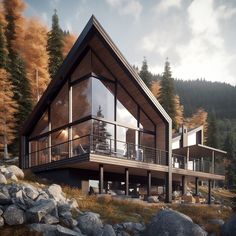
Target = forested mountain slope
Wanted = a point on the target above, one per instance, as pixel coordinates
(212, 96)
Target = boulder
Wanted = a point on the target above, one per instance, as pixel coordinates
(16, 171)
(49, 219)
(14, 215)
(67, 220)
(55, 192)
(5, 200)
(43, 207)
(169, 222)
(90, 223)
(219, 222)
(133, 227)
(53, 230)
(229, 228)
(31, 193)
(108, 231)
(1, 221)
(14, 178)
(153, 199)
(1, 211)
(3, 179)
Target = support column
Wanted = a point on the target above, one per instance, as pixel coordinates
(149, 183)
(126, 181)
(187, 159)
(168, 187)
(184, 184)
(196, 186)
(209, 191)
(100, 179)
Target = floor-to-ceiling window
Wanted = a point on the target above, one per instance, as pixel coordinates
(104, 118)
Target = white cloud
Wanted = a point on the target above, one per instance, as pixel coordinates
(127, 7)
(54, 3)
(165, 5)
(204, 55)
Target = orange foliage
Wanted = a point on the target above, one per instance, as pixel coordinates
(15, 8)
(7, 110)
(156, 89)
(69, 42)
(36, 57)
(179, 117)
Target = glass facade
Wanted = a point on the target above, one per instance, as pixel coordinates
(104, 119)
(59, 108)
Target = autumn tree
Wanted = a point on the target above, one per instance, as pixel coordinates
(197, 119)
(15, 64)
(69, 40)
(36, 57)
(7, 104)
(145, 75)
(156, 89)
(179, 116)
(55, 45)
(167, 95)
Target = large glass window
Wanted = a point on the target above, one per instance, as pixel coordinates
(103, 137)
(81, 99)
(127, 110)
(126, 141)
(60, 145)
(43, 153)
(103, 99)
(42, 126)
(59, 108)
(80, 136)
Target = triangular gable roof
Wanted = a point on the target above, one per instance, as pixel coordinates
(92, 27)
(177, 136)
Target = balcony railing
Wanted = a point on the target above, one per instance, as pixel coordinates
(112, 148)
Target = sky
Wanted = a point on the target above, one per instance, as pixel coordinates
(197, 36)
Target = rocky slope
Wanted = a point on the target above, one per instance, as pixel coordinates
(47, 210)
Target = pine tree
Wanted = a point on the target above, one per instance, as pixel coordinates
(212, 131)
(229, 146)
(145, 75)
(167, 96)
(3, 52)
(16, 66)
(55, 45)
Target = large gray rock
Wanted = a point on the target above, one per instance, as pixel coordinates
(55, 192)
(49, 219)
(229, 228)
(5, 200)
(67, 220)
(13, 215)
(90, 223)
(16, 171)
(43, 207)
(3, 179)
(108, 231)
(32, 193)
(53, 230)
(133, 227)
(173, 223)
